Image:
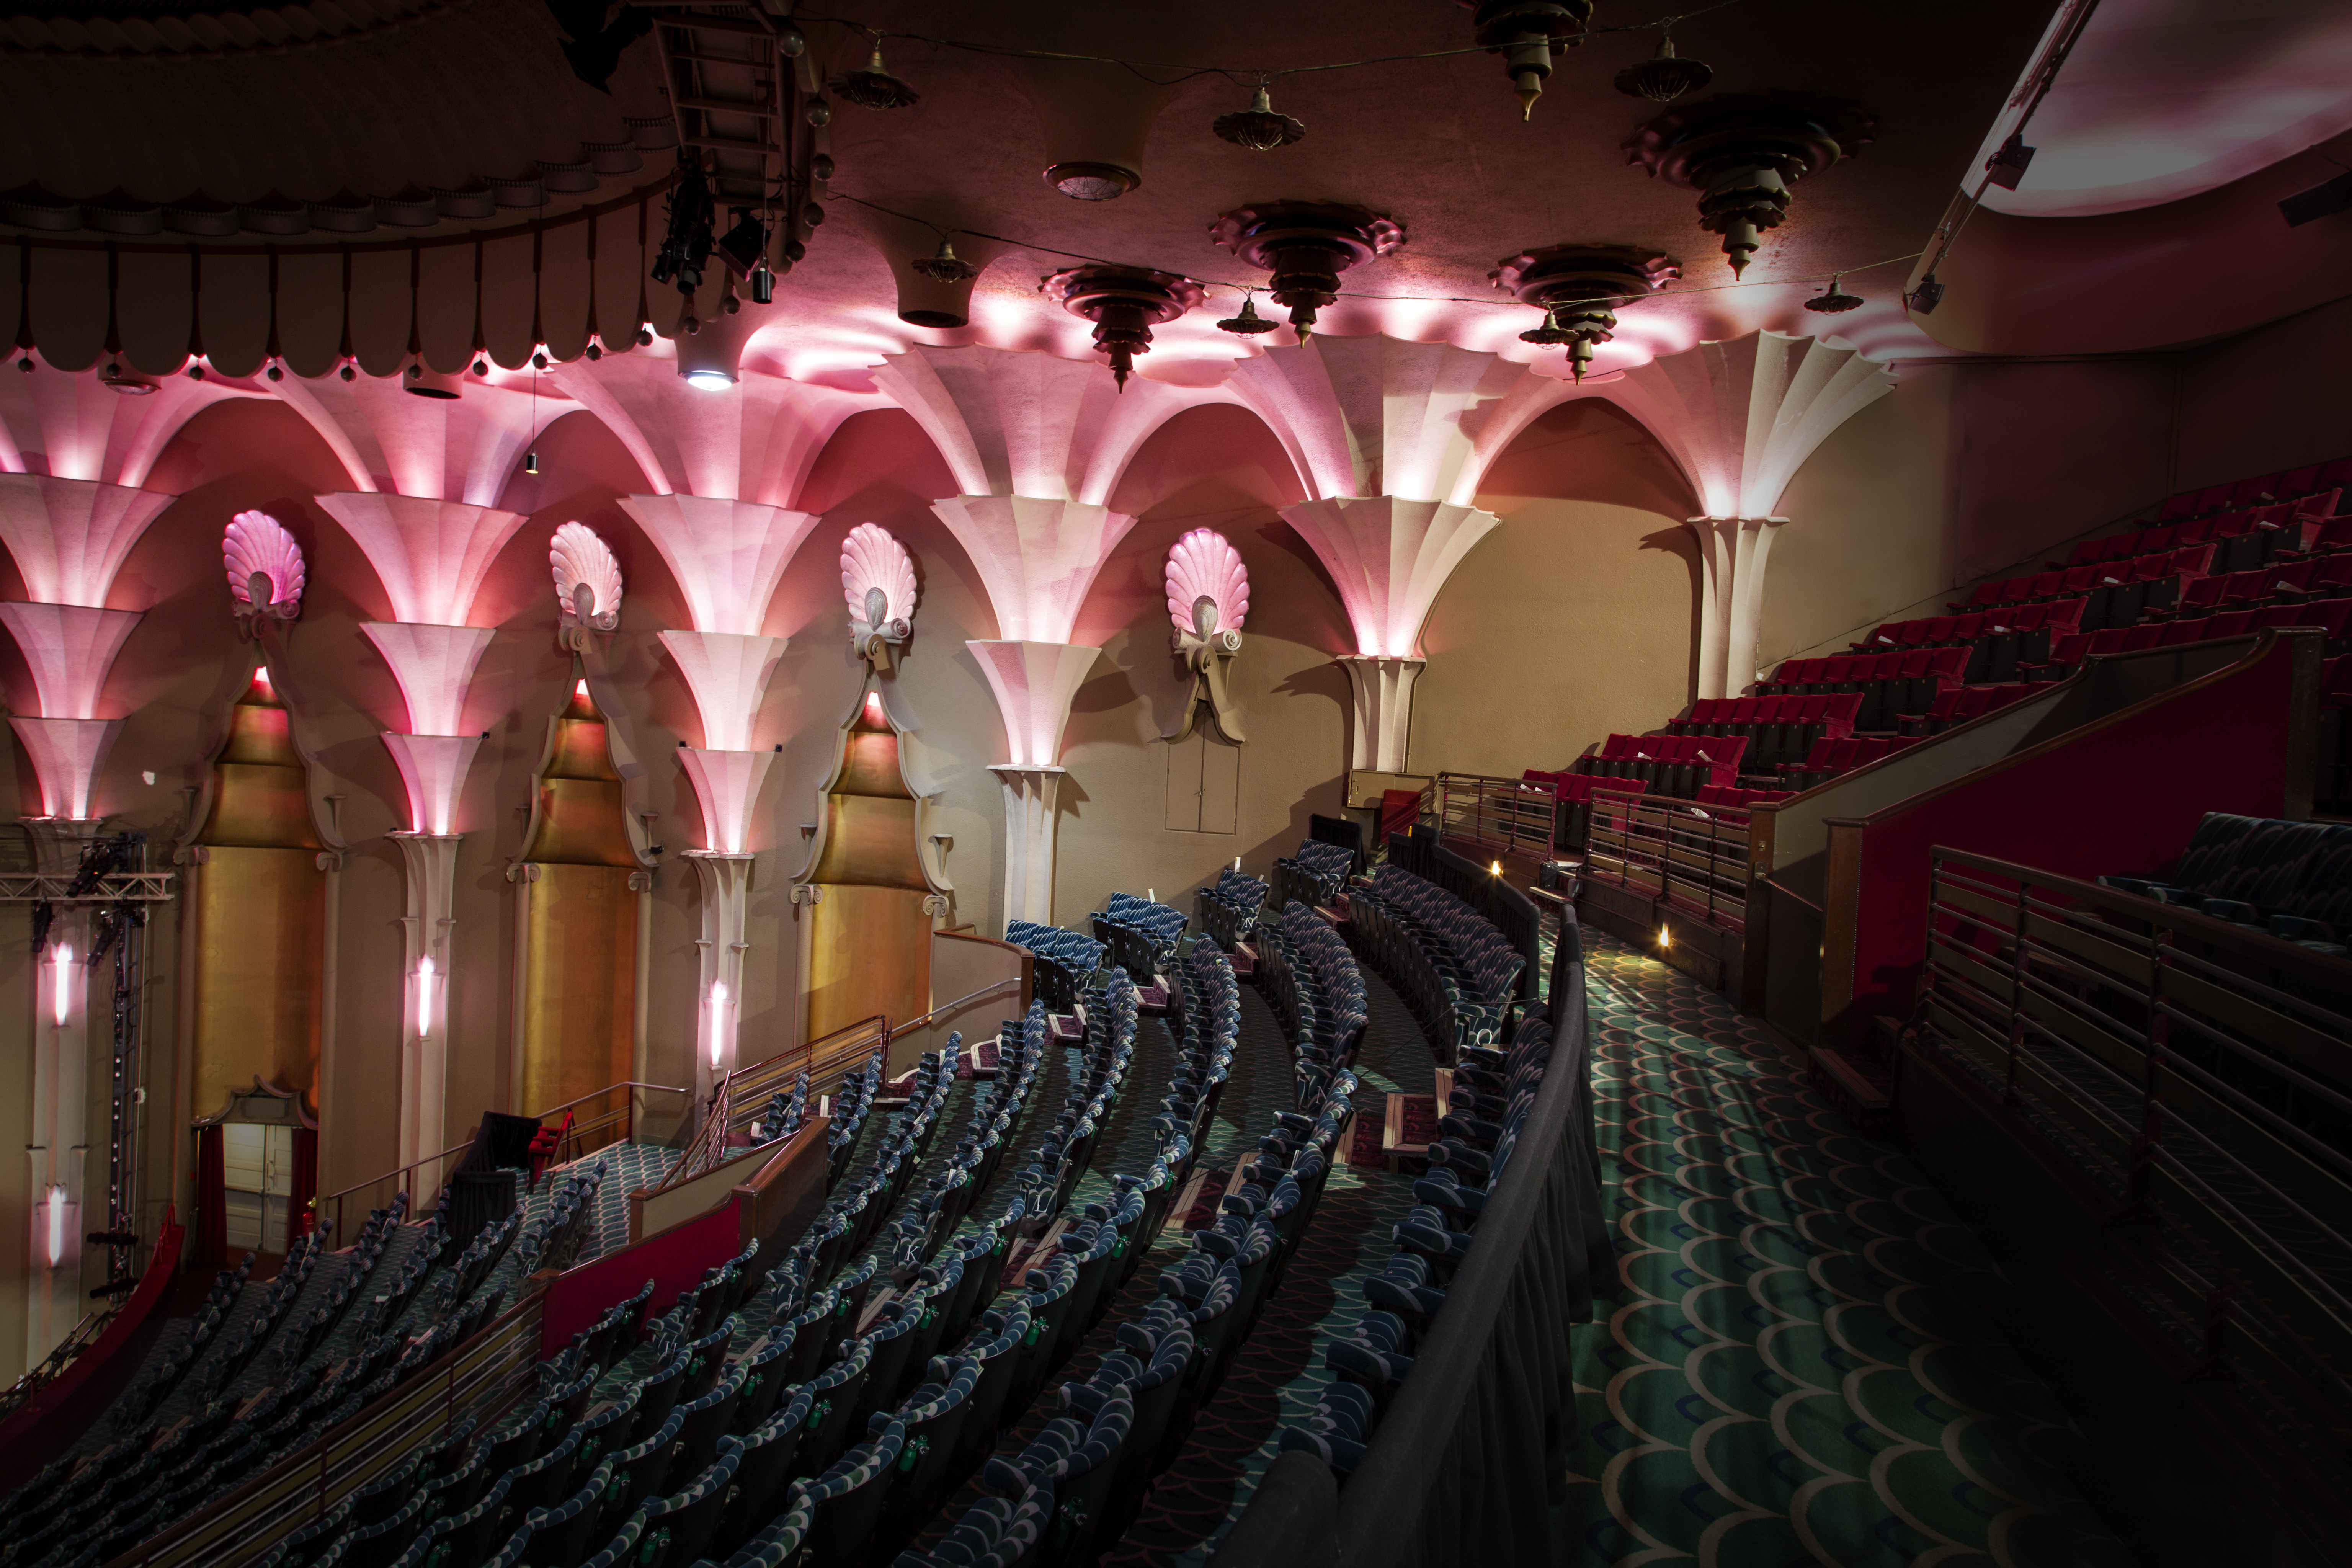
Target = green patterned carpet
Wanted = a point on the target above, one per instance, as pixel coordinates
(1800, 1367)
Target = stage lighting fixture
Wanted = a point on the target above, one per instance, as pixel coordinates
(2318, 201)
(1924, 299)
(2007, 167)
(740, 247)
(686, 244)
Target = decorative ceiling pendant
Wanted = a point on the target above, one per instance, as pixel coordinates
(1580, 288)
(266, 573)
(875, 87)
(1208, 600)
(1305, 245)
(1742, 152)
(1524, 33)
(1258, 127)
(946, 266)
(1247, 322)
(587, 584)
(877, 580)
(1124, 304)
(1665, 76)
(1833, 299)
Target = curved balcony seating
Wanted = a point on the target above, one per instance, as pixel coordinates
(1311, 982)
(1450, 966)
(1066, 961)
(1226, 910)
(1494, 1094)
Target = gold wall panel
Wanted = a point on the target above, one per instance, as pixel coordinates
(261, 915)
(870, 951)
(580, 984)
(580, 824)
(580, 820)
(870, 840)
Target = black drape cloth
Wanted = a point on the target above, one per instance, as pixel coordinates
(501, 1143)
(1472, 1456)
(1339, 830)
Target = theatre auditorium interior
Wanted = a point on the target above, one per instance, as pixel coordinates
(1355, 784)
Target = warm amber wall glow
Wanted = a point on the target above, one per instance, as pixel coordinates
(260, 907)
(260, 917)
(870, 944)
(579, 982)
(869, 953)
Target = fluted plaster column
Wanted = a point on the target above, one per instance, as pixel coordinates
(1732, 554)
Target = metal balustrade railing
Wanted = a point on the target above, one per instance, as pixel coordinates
(1694, 857)
(741, 1096)
(487, 1372)
(2196, 1073)
(1506, 815)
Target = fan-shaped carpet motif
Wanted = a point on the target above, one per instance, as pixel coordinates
(1802, 1366)
(1801, 1369)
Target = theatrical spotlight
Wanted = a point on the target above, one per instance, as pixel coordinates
(741, 246)
(686, 247)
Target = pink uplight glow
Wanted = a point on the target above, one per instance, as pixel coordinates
(719, 1000)
(61, 961)
(726, 784)
(425, 977)
(53, 1212)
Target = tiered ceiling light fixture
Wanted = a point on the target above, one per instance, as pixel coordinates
(1124, 304)
(1580, 288)
(1742, 152)
(1524, 33)
(1305, 246)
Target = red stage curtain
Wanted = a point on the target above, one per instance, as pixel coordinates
(212, 1199)
(299, 1217)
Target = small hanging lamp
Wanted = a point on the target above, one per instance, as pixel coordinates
(946, 266)
(875, 87)
(1665, 76)
(1258, 127)
(1833, 299)
(1248, 322)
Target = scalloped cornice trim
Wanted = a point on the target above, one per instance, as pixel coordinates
(225, 32)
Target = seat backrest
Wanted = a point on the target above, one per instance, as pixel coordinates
(2328, 614)
(1946, 662)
